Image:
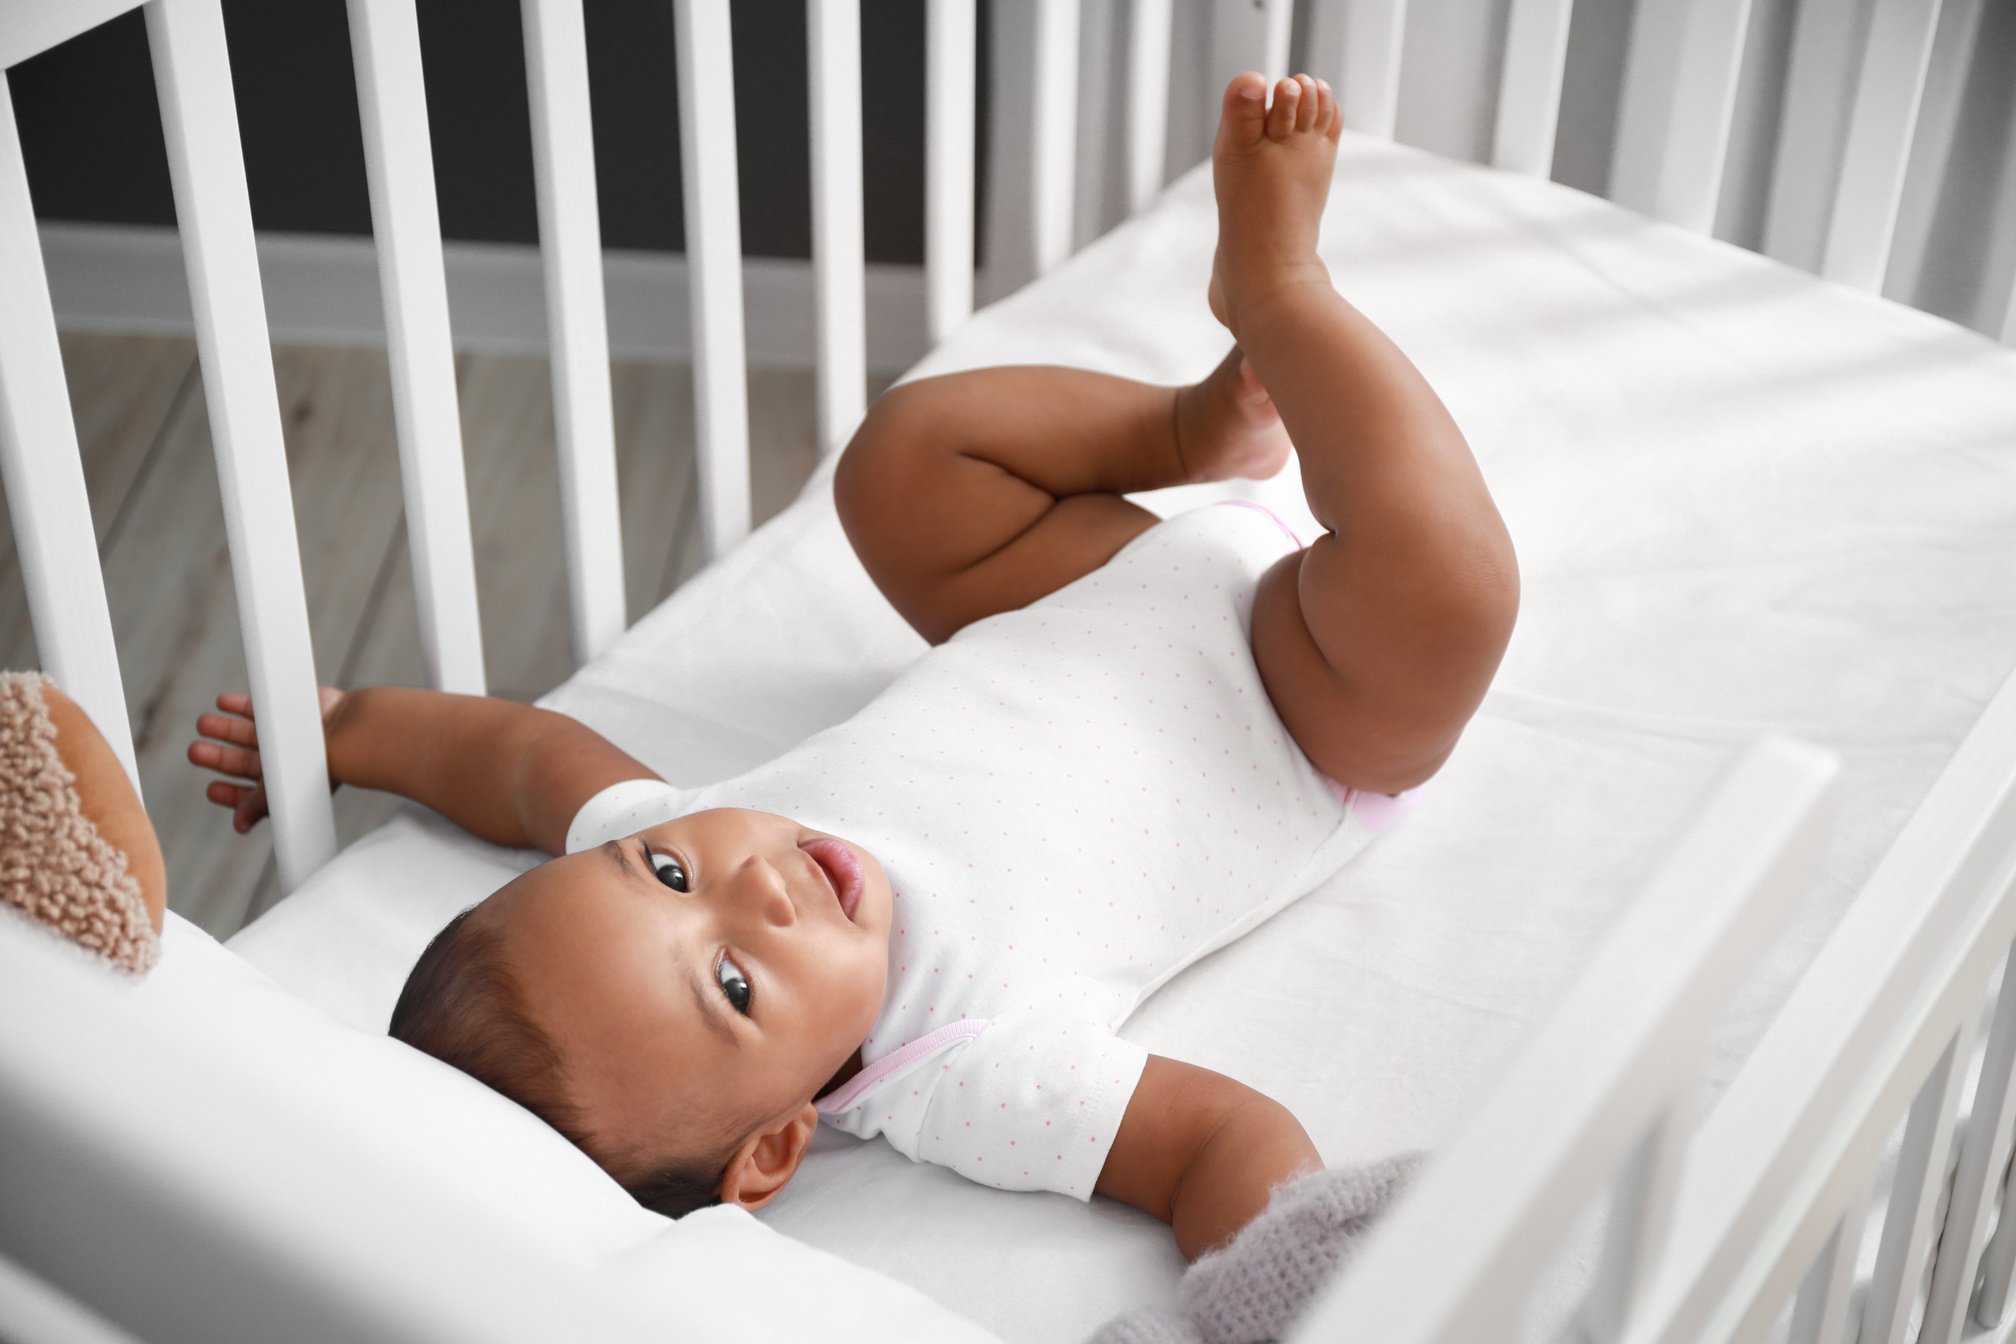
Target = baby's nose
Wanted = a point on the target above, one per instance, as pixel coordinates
(767, 893)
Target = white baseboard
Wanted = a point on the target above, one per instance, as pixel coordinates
(323, 290)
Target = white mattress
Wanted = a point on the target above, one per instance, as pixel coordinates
(1744, 500)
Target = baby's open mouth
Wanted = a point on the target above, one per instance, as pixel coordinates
(836, 859)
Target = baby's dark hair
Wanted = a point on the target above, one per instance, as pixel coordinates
(462, 1005)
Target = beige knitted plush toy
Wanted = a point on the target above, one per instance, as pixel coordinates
(77, 852)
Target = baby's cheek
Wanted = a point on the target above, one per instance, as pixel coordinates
(873, 984)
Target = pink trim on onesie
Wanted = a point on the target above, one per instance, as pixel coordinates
(895, 1062)
(1256, 504)
(1375, 811)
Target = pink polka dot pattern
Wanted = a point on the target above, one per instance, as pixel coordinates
(1072, 802)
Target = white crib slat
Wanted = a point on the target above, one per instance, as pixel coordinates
(44, 473)
(714, 264)
(28, 27)
(1913, 252)
(1009, 226)
(570, 245)
(207, 168)
(1807, 161)
(1880, 129)
(950, 35)
(1529, 94)
(1984, 1152)
(1640, 1213)
(32, 1308)
(1323, 42)
(839, 263)
(1998, 1260)
(1248, 35)
(1362, 40)
(1998, 1267)
(1032, 170)
(1914, 1194)
(1148, 33)
(1820, 1312)
(1096, 163)
(1678, 102)
(1055, 132)
(392, 104)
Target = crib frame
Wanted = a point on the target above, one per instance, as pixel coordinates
(1714, 1228)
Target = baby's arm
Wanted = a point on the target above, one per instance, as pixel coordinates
(508, 773)
(1202, 1152)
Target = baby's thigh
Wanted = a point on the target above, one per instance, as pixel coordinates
(1361, 741)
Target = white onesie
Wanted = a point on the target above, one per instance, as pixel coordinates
(1073, 801)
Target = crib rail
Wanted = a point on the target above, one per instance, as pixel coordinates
(140, 1197)
(1602, 1090)
(1884, 1019)
(1716, 1232)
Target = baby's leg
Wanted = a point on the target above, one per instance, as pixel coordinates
(1377, 642)
(979, 492)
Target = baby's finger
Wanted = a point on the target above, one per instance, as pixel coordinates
(226, 760)
(247, 803)
(235, 702)
(229, 728)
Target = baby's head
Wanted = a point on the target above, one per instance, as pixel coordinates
(671, 1002)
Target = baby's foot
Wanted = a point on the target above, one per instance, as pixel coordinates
(1271, 168)
(1227, 426)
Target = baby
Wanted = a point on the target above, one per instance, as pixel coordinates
(700, 976)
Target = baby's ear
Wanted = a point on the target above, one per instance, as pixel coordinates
(765, 1161)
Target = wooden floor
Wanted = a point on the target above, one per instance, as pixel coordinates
(147, 459)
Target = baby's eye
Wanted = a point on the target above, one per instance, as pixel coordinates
(669, 869)
(734, 984)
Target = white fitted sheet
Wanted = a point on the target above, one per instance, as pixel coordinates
(1744, 500)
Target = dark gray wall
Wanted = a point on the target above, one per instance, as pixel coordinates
(91, 129)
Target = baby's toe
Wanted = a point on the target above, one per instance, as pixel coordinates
(1281, 117)
(1243, 117)
(1309, 106)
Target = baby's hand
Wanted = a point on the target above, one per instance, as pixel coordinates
(235, 752)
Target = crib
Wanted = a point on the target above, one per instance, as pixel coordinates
(1755, 1076)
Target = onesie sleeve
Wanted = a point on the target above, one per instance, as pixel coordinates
(622, 809)
(1031, 1102)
